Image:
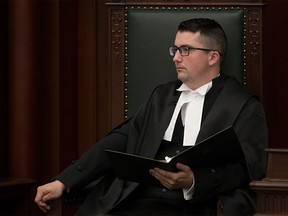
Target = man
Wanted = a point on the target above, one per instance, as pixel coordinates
(177, 115)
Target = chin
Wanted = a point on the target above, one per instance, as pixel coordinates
(181, 77)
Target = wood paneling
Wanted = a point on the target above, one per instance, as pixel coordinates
(3, 89)
(23, 81)
(272, 191)
(58, 96)
(16, 196)
(275, 71)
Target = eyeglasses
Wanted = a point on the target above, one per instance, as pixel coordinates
(185, 50)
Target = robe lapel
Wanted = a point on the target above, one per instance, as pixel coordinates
(225, 110)
(156, 129)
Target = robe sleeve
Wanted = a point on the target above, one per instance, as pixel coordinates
(94, 163)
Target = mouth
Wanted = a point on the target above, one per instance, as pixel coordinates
(179, 69)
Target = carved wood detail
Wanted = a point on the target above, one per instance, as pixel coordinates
(253, 42)
(116, 65)
(186, 1)
(272, 191)
(254, 22)
(116, 31)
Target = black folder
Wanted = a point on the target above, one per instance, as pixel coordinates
(221, 148)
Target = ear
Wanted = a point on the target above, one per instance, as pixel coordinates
(214, 57)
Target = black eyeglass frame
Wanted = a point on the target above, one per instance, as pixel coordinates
(173, 49)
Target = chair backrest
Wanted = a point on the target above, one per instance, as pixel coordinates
(147, 32)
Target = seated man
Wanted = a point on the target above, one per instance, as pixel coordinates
(202, 102)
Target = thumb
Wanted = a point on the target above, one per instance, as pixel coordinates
(47, 197)
(183, 167)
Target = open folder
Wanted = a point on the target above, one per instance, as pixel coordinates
(221, 148)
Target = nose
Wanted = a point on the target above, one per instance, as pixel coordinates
(177, 57)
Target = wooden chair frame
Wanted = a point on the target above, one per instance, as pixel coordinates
(118, 99)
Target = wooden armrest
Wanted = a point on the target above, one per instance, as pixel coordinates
(15, 196)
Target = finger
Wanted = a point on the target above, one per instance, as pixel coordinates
(183, 167)
(156, 174)
(163, 177)
(163, 173)
(47, 198)
(44, 206)
(43, 209)
(38, 197)
(41, 201)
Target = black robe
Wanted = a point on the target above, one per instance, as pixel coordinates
(229, 104)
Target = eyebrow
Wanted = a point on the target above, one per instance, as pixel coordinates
(183, 45)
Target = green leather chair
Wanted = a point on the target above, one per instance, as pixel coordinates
(140, 34)
(151, 30)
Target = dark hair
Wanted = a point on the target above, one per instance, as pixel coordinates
(211, 32)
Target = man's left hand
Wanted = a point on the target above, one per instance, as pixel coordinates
(183, 178)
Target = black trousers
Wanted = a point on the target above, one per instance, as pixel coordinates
(156, 201)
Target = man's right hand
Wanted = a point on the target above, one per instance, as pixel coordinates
(48, 192)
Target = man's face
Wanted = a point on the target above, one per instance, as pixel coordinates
(194, 68)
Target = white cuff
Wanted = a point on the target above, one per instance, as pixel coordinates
(188, 192)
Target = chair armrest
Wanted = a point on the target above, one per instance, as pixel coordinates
(69, 203)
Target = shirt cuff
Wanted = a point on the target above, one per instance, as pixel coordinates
(188, 192)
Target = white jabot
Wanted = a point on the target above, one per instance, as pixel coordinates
(191, 105)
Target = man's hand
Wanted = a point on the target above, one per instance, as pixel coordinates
(48, 192)
(183, 178)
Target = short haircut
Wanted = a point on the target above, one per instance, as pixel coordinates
(211, 32)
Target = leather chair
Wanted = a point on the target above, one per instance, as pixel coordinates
(150, 31)
(140, 33)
